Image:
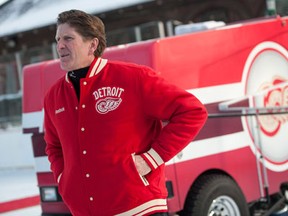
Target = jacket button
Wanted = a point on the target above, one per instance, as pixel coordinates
(84, 152)
(87, 175)
(91, 198)
(84, 83)
(82, 129)
(83, 105)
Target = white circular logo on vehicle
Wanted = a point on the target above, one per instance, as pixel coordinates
(266, 76)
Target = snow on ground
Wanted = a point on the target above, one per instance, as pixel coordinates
(17, 184)
(15, 149)
(32, 211)
(17, 171)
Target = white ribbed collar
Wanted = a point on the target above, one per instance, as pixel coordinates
(96, 66)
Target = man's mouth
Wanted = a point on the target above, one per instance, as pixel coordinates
(64, 55)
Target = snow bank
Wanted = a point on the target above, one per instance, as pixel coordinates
(20, 16)
(15, 149)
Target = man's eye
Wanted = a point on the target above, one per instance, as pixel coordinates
(64, 39)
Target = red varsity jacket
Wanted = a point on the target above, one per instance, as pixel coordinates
(91, 142)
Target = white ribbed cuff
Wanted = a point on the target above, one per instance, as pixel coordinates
(153, 158)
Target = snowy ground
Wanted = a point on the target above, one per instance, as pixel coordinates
(17, 184)
(15, 149)
(32, 211)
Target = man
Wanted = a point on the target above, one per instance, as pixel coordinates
(105, 140)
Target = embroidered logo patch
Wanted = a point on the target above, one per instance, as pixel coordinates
(59, 110)
(107, 104)
(107, 99)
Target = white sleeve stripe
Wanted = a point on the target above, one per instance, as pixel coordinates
(155, 156)
(151, 160)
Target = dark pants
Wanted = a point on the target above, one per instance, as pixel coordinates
(160, 214)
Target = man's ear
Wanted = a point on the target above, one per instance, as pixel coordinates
(93, 45)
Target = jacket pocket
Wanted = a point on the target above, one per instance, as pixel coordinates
(143, 179)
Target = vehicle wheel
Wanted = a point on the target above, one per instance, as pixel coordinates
(215, 195)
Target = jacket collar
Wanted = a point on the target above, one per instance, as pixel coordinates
(96, 66)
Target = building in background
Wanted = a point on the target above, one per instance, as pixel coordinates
(27, 30)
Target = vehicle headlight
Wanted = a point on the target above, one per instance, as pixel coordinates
(48, 194)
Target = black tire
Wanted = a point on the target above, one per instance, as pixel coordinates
(215, 195)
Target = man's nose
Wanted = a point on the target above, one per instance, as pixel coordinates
(60, 45)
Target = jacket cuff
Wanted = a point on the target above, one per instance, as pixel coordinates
(152, 158)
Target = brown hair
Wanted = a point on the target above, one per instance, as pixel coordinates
(87, 25)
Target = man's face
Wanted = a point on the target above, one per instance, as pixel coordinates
(73, 50)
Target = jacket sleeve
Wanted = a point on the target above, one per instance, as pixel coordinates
(53, 145)
(184, 113)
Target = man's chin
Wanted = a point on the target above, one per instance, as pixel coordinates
(64, 66)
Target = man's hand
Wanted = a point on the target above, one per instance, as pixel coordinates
(141, 165)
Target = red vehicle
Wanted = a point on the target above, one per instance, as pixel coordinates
(240, 158)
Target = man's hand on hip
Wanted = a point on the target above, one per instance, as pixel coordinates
(141, 165)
